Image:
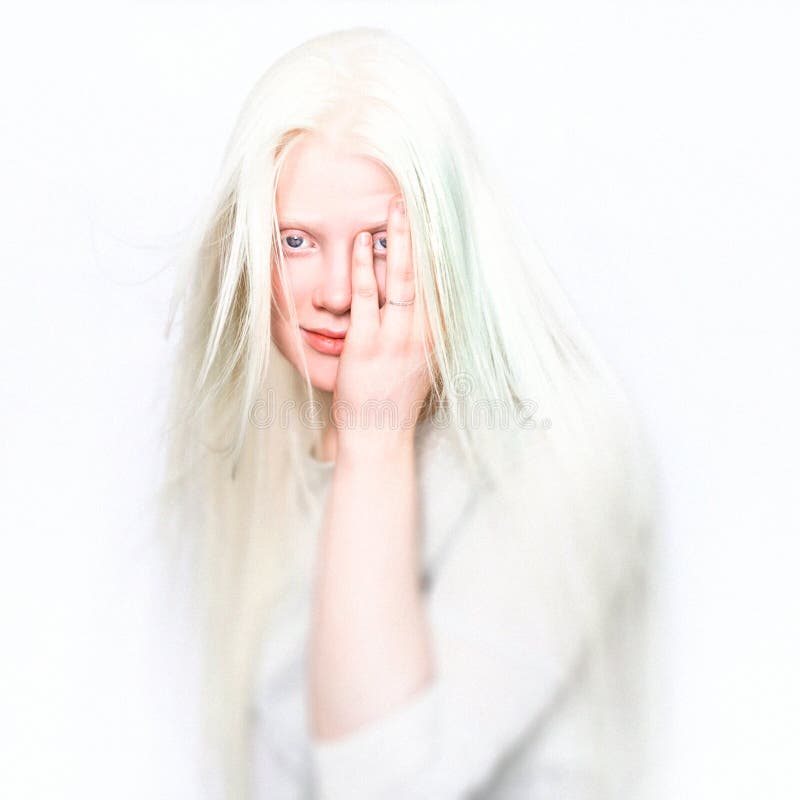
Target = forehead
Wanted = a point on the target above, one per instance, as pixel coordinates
(323, 179)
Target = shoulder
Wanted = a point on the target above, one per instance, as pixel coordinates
(569, 510)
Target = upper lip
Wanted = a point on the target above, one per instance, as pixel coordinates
(327, 332)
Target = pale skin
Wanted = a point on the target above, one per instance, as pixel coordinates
(369, 645)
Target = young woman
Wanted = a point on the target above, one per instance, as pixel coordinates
(418, 497)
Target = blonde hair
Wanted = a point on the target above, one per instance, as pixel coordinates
(503, 332)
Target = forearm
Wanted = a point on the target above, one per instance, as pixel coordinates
(369, 645)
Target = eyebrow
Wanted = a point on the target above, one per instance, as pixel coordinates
(375, 227)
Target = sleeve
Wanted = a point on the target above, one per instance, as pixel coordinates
(504, 646)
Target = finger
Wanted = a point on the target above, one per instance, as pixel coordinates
(399, 272)
(364, 315)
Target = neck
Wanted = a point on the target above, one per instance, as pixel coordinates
(325, 450)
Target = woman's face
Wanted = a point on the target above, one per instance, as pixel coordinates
(326, 196)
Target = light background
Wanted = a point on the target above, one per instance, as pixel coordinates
(652, 147)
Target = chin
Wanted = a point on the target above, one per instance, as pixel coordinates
(322, 370)
(324, 383)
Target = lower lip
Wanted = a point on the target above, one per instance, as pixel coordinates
(324, 344)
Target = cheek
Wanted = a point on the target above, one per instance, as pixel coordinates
(299, 292)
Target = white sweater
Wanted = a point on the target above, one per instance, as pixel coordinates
(505, 717)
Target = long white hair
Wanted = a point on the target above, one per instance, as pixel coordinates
(504, 335)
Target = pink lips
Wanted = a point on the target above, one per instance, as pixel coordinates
(325, 341)
(327, 332)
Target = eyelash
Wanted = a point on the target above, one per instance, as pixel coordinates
(288, 249)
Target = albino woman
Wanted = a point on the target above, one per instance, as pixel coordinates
(417, 498)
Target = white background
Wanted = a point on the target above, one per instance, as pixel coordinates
(653, 147)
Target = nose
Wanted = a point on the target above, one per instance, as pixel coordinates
(334, 288)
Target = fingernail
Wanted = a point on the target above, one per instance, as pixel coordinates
(401, 206)
(364, 237)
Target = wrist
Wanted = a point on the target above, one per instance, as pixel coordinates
(374, 445)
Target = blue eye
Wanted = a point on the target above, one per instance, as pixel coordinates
(293, 242)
